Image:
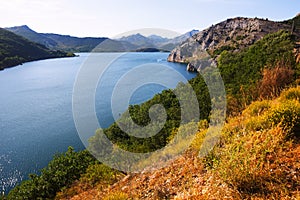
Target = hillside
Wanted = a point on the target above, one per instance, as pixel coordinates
(257, 158)
(31, 35)
(231, 34)
(15, 50)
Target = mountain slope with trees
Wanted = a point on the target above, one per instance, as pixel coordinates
(56, 41)
(15, 50)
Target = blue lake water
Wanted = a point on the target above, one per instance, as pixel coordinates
(36, 118)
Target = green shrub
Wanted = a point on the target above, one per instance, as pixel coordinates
(257, 108)
(99, 173)
(291, 94)
(287, 115)
(61, 172)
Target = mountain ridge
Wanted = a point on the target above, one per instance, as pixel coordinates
(57, 41)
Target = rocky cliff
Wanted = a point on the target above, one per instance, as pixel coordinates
(232, 34)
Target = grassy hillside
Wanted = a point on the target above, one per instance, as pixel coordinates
(15, 50)
(257, 158)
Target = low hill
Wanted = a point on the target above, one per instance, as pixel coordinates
(15, 50)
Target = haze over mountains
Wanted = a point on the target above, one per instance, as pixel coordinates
(87, 44)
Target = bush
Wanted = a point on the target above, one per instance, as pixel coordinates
(99, 173)
(287, 115)
(117, 196)
(61, 172)
(291, 94)
(274, 80)
(257, 108)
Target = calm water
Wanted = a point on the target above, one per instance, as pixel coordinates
(36, 109)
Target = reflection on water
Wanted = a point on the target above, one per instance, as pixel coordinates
(12, 178)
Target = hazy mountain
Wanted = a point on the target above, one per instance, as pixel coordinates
(15, 50)
(158, 40)
(87, 44)
(70, 43)
(182, 38)
(110, 45)
(139, 40)
(31, 35)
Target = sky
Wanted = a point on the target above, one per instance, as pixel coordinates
(109, 18)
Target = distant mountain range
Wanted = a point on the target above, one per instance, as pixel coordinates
(87, 44)
(57, 42)
(15, 50)
(155, 41)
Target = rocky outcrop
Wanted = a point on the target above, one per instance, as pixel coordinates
(232, 34)
(297, 52)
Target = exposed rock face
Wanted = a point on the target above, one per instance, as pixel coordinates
(297, 52)
(232, 34)
(190, 67)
